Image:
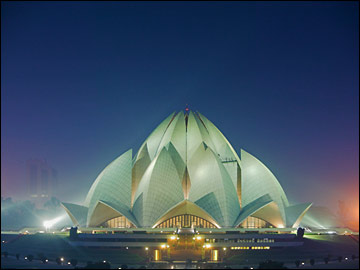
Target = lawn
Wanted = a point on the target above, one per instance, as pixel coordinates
(53, 246)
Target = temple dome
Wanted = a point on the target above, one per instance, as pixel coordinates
(187, 161)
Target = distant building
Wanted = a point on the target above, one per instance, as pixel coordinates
(42, 181)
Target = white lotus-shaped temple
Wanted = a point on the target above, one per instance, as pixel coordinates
(186, 174)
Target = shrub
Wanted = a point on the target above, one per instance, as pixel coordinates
(73, 262)
(326, 260)
(340, 258)
(30, 257)
(105, 265)
(124, 266)
(297, 263)
(312, 261)
(300, 233)
(40, 256)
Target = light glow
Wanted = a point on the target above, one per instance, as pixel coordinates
(157, 255)
(50, 223)
(215, 255)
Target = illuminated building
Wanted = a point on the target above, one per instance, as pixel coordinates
(42, 181)
(186, 174)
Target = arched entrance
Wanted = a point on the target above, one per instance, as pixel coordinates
(186, 221)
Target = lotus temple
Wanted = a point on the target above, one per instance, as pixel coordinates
(186, 174)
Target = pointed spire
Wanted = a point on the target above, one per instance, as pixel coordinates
(186, 116)
(187, 108)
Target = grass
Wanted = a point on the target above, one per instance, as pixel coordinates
(53, 246)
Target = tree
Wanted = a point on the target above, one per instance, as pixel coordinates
(312, 261)
(17, 256)
(16, 215)
(326, 260)
(297, 263)
(300, 233)
(73, 262)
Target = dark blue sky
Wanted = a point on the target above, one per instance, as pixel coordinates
(82, 82)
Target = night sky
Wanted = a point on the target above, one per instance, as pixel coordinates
(82, 82)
